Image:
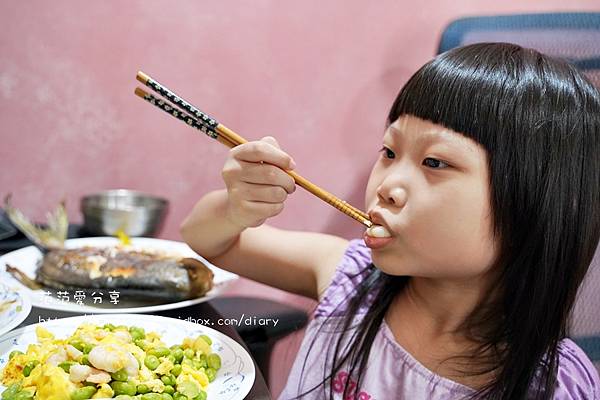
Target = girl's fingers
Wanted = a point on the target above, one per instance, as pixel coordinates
(263, 151)
(265, 174)
(260, 193)
(272, 141)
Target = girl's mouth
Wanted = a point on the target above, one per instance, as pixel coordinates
(377, 237)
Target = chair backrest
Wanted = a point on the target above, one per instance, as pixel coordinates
(572, 36)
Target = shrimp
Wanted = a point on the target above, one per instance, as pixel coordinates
(73, 353)
(58, 357)
(124, 336)
(111, 358)
(79, 373)
(97, 376)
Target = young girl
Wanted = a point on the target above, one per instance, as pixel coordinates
(486, 200)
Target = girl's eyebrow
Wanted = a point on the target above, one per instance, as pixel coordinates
(444, 136)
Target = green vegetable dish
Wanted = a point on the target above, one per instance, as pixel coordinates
(108, 361)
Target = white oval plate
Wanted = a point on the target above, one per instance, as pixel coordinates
(233, 382)
(16, 311)
(27, 258)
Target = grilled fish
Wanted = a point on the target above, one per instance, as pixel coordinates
(134, 272)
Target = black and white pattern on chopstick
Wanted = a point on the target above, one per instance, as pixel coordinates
(208, 130)
(157, 87)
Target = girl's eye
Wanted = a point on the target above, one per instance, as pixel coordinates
(434, 163)
(387, 153)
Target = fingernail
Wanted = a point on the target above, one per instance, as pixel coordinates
(292, 164)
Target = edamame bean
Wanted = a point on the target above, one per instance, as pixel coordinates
(124, 397)
(176, 370)
(11, 391)
(169, 389)
(23, 395)
(84, 360)
(151, 362)
(178, 354)
(29, 367)
(211, 374)
(151, 396)
(120, 375)
(66, 366)
(137, 333)
(171, 358)
(78, 344)
(141, 343)
(165, 396)
(188, 353)
(83, 393)
(170, 379)
(142, 389)
(137, 328)
(14, 353)
(159, 352)
(201, 396)
(87, 348)
(202, 361)
(206, 339)
(109, 327)
(127, 388)
(214, 361)
(179, 396)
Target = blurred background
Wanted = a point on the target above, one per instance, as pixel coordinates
(318, 75)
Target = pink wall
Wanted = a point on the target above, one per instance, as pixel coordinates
(318, 75)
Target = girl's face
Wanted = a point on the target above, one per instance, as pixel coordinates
(430, 189)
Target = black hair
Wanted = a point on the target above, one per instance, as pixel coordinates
(538, 118)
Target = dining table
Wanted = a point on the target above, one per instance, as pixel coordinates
(203, 313)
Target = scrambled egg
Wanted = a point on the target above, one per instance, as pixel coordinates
(49, 382)
(108, 361)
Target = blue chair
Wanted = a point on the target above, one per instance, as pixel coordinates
(572, 36)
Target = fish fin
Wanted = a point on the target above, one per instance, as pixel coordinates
(58, 223)
(21, 277)
(200, 276)
(53, 236)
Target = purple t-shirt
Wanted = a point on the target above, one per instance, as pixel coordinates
(392, 373)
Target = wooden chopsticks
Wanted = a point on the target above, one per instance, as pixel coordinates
(192, 116)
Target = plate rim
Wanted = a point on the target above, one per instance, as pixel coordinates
(131, 317)
(23, 314)
(71, 307)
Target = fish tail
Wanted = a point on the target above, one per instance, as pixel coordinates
(21, 277)
(53, 236)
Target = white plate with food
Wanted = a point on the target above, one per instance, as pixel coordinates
(14, 306)
(126, 354)
(102, 275)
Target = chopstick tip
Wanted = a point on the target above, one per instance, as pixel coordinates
(142, 77)
(140, 92)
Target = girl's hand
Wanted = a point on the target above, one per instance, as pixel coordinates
(256, 184)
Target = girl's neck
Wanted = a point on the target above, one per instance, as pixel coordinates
(427, 320)
(442, 305)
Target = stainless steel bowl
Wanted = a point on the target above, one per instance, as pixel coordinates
(135, 213)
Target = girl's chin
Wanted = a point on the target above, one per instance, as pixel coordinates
(390, 265)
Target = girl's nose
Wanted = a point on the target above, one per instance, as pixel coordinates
(394, 195)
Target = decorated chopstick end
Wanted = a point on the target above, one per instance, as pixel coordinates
(141, 92)
(142, 77)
